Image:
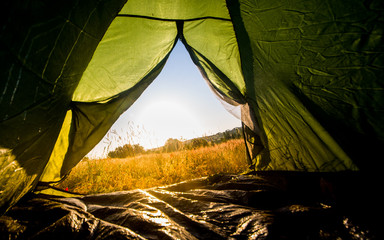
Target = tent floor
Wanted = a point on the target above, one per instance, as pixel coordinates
(260, 206)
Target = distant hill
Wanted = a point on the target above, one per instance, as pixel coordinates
(221, 136)
(172, 145)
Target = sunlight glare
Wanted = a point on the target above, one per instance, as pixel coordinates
(166, 119)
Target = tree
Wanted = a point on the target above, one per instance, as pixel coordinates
(137, 149)
(172, 145)
(199, 142)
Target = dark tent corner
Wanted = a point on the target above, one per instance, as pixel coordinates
(307, 75)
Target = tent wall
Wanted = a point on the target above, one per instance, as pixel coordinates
(45, 47)
(317, 81)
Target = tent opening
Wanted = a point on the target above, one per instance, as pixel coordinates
(178, 104)
(174, 122)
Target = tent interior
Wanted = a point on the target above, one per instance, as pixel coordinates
(307, 76)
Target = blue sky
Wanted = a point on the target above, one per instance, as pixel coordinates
(178, 104)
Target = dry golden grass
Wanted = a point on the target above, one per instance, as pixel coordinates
(156, 169)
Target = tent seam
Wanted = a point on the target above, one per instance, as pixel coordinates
(74, 45)
(171, 19)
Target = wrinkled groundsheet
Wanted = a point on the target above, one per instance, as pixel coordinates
(216, 207)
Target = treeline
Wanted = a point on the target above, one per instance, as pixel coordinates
(127, 150)
(172, 145)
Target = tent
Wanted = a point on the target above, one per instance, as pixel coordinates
(308, 76)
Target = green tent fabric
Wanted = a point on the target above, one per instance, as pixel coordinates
(308, 76)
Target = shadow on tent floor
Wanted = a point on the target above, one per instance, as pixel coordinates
(260, 206)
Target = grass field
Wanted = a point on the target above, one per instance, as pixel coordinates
(155, 169)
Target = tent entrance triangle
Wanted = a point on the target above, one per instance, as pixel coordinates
(178, 104)
(162, 137)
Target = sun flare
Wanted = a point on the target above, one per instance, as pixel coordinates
(168, 119)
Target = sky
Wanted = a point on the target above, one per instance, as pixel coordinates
(178, 104)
